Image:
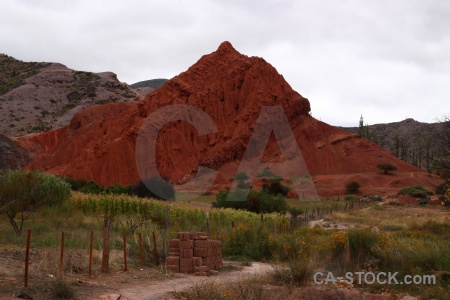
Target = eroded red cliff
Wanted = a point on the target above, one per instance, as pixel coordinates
(99, 143)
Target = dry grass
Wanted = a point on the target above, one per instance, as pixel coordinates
(384, 217)
(248, 288)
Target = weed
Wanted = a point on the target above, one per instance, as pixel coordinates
(62, 289)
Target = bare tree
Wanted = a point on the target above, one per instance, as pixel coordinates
(441, 161)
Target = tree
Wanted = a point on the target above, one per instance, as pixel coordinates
(352, 187)
(386, 168)
(441, 160)
(160, 189)
(22, 192)
(241, 176)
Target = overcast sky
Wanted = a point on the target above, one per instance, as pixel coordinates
(386, 60)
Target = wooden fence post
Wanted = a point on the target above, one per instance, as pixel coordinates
(90, 253)
(61, 260)
(125, 251)
(141, 250)
(208, 229)
(155, 251)
(27, 256)
(166, 226)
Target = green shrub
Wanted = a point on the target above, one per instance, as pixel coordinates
(52, 190)
(256, 201)
(241, 176)
(62, 289)
(275, 187)
(415, 191)
(265, 173)
(386, 168)
(295, 211)
(350, 198)
(244, 185)
(352, 187)
(90, 187)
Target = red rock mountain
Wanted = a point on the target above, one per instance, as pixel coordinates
(99, 143)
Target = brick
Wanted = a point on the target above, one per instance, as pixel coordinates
(173, 260)
(177, 249)
(210, 252)
(173, 269)
(209, 260)
(203, 261)
(201, 244)
(188, 253)
(186, 244)
(177, 254)
(214, 272)
(201, 273)
(197, 261)
(186, 270)
(174, 243)
(201, 252)
(186, 262)
(199, 236)
(201, 269)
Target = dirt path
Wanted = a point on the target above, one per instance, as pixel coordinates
(161, 289)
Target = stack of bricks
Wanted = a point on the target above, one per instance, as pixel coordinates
(192, 252)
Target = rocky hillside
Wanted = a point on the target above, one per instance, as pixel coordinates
(409, 140)
(100, 142)
(40, 96)
(12, 155)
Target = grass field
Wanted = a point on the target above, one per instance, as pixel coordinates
(409, 240)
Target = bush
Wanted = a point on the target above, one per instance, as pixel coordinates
(161, 189)
(386, 168)
(62, 289)
(415, 191)
(440, 189)
(90, 187)
(295, 211)
(265, 173)
(275, 187)
(352, 187)
(244, 185)
(256, 201)
(241, 176)
(350, 198)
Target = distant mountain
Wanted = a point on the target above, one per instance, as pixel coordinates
(152, 83)
(39, 96)
(409, 140)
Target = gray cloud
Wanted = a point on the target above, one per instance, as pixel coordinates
(384, 59)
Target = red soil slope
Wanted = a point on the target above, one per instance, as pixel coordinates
(99, 143)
